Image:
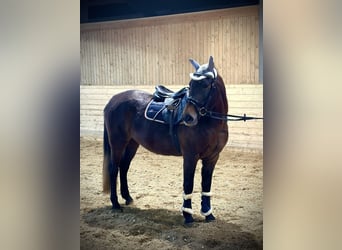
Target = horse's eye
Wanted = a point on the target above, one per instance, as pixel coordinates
(205, 84)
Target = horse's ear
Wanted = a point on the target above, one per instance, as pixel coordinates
(194, 63)
(211, 63)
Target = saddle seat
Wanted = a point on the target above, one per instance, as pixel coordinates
(166, 105)
(162, 92)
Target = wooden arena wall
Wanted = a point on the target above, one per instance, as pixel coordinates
(141, 53)
(155, 50)
(242, 98)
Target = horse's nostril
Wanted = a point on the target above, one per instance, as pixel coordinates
(188, 118)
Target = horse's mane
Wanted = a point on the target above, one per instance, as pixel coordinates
(222, 90)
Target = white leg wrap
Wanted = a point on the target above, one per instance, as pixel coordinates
(207, 193)
(207, 213)
(187, 196)
(187, 210)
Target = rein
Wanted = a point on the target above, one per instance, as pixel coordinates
(202, 111)
(225, 117)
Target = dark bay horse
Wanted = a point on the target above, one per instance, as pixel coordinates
(200, 136)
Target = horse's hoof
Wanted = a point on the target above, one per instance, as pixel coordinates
(210, 218)
(117, 208)
(188, 224)
(188, 221)
(129, 201)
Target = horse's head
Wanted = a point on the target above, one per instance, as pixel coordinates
(200, 88)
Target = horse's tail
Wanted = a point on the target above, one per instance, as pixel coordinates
(106, 162)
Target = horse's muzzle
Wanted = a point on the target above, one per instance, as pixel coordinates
(190, 115)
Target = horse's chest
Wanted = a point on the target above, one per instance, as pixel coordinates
(214, 138)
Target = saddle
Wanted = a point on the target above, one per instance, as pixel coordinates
(162, 93)
(167, 107)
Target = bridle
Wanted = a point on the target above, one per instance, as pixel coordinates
(209, 71)
(201, 107)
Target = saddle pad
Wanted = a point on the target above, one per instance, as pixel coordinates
(154, 111)
(158, 112)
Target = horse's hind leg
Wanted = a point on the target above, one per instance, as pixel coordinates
(113, 172)
(125, 162)
(117, 147)
(111, 162)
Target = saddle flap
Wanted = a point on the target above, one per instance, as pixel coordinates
(172, 104)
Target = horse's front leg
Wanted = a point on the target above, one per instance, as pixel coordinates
(207, 174)
(189, 166)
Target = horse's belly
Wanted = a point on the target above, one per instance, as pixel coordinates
(155, 137)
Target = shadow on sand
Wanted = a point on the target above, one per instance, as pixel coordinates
(167, 225)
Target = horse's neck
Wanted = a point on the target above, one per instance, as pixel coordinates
(220, 98)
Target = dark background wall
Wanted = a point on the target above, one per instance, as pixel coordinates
(105, 10)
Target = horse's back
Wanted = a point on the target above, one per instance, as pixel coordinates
(129, 98)
(122, 109)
